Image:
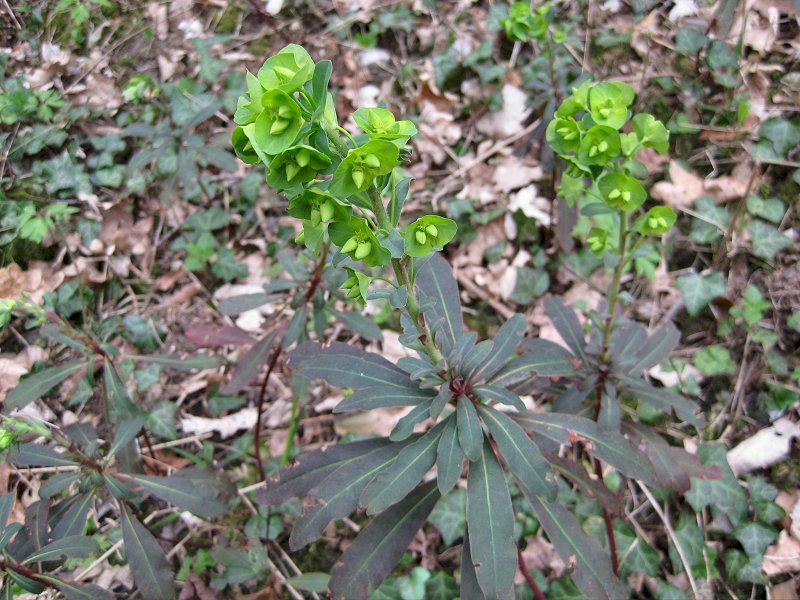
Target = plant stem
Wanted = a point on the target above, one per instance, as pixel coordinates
(259, 411)
(537, 592)
(613, 292)
(292, 431)
(612, 540)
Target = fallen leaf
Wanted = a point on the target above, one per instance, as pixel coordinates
(782, 557)
(681, 191)
(765, 448)
(224, 426)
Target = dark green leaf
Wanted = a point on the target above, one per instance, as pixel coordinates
(346, 366)
(310, 582)
(657, 348)
(238, 304)
(450, 515)
(249, 365)
(381, 396)
(381, 544)
(6, 504)
(74, 546)
(339, 493)
(522, 456)
(506, 341)
(470, 434)
(724, 494)
(499, 394)
(36, 455)
(475, 358)
(202, 492)
(470, 588)
(766, 239)
(312, 468)
(68, 517)
(189, 363)
(37, 385)
(577, 473)
(404, 474)
(439, 288)
(358, 323)
(608, 446)
(405, 426)
(593, 573)
(149, 566)
(755, 538)
(663, 399)
(57, 483)
(449, 458)
(121, 404)
(78, 591)
(491, 520)
(126, 431)
(567, 325)
(543, 359)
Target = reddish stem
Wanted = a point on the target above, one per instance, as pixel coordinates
(537, 592)
(259, 411)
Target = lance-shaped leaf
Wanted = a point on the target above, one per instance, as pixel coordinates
(312, 468)
(543, 359)
(442, 398)
(566, 324)
(74, 546)
(470, 434)
(475, 358)
(77, 591)
(68, 517)
(499, 394)
(657, 348)
(593, 573)
(663, 399)
(382, 396)
(577, 473)
(200, 491)
(470, 588)
(449, 458)
(126, 431)
(121, 403)
(346, 366)
(36, 386)
(36, 455)
(609, 446)
(491, 526)
(188, 363)
(405, 426)
(6, 504)
(520, 453)
(437, 285)
(251, 363)
(149, 565)
(404, 474)
(506, 341)
(339, 493)
(381, 544)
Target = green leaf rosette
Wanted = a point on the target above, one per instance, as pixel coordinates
(656, 221)
(564, 135)
(278, 124)
(287, 70)
(355, 238)
(361, 165)
(427, 233)
(609, 102)
(296, 165)
(380, 124)
(599, 146)
(621, 192)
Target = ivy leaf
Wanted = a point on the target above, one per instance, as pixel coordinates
(450, 515)
(767, 240)
(755, 538)
(723, 494)
(441, 586)
(698, 290)
(491, 520)
(381, 544)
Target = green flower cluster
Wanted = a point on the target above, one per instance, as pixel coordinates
(333, 181)
(595, 131)
(524, 24)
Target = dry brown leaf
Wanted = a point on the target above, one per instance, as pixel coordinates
(681, 191)
(510, 119)
(782, 557)
(36, 281)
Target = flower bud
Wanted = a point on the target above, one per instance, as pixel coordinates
(420, 236)
(291, 170)
(358, 177)
(326, 210)
(303, 157)
(431, 230)
(372, 161)
(350, 245)
(278, 126)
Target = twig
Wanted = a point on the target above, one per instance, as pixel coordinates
(537, 592)
(672, 537)
(260, 410)
(17, 24)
